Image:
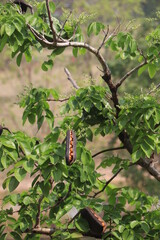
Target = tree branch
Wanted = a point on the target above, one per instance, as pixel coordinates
(107, 183)
(37, 224)
(107, 150)
(110, 180)
(64, 24)
(129, 73)
(61, 199)
(51, 22)
(59, 100)
(104, 39)
(154, 89)
(69, 77)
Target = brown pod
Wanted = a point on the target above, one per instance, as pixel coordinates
(1, 130)
(96, 224)
(70, 147)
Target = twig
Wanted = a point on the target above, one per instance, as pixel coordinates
(61, 199)
(59, 100)
(74, 32)
(69, 77)
(107, 150)
(51, 22)
(153, 90)
(37, 224)
(64, 24)
(129, 73)
(108, 182)
(104, 39)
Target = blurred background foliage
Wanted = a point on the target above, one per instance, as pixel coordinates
(140, 17)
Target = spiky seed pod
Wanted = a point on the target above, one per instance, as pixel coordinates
(96, 223)
(70, 147)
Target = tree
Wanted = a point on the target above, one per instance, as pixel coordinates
(94, 110)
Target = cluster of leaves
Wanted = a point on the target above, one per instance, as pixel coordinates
(142, 222)
(140, 117)
(36, 105)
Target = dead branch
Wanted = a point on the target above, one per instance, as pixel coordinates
(107, 150)
(51, 22)
(69, 77)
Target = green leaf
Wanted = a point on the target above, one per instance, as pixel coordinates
(57, 174)
(89, 134)
(3, 42)
(84, 157)
(28, 165)
(136, 155)
(145, 226)
(151, 70)
(95, 27)
(125, 234)
(57, 51)
(146, 149)
(54, 93)
(20, 174)
(75, 51)
(121, 228)
(28, 55)
(27, 200)
(19, 59)
(3, 237)
(82, 225)
(52, 7)
(40, 122)
(142, 69)
(13, 184)
(32, 118)
(9, 29)
(15, 236)
(134, 223)
(47, 65)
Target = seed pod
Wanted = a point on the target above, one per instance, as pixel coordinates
(96, 224)
(70, 147)
(1, 130)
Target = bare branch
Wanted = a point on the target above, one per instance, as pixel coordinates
(59, 100)
(64, 24)
(37, 224)
(69, 77)
(45, 231)
(129, 74)
(51, 22)
(108, 182)
(104, 39)
(107, 150)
